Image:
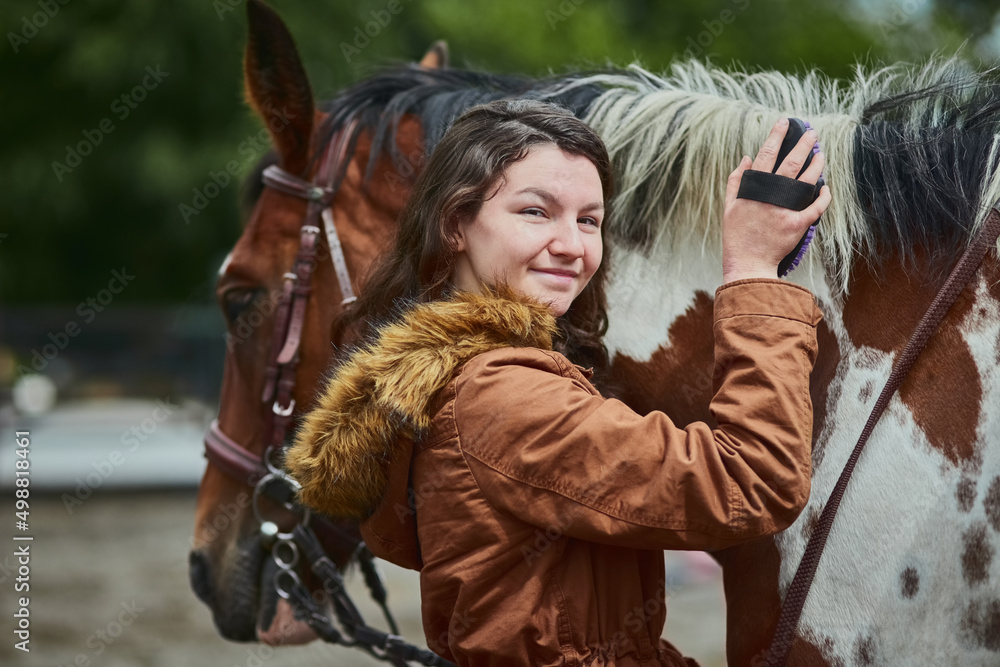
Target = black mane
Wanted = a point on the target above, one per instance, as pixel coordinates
(435, 96)
(921, 160)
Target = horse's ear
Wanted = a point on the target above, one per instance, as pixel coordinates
(436, 56)
(277, 87)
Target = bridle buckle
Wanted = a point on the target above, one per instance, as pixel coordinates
(283, 412)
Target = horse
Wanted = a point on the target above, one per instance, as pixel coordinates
(912, 162)
(227, 567)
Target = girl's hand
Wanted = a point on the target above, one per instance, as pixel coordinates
(756, 236)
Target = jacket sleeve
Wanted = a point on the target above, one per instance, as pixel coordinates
(546, 448)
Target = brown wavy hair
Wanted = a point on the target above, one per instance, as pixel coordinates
(466, 168)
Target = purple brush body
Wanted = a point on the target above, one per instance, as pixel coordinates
(812, 228)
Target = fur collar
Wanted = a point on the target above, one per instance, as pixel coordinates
(344, 449)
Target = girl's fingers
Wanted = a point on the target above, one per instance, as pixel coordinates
(815, 168)
(769, 151)
(793, 162)
(733, 184)
(812, 212)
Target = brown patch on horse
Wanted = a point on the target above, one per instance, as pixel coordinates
(909, 582)
(866, 393)
(753, 605)
(981, 624)
(943, 391)
(866, 651)
(991, 503)
(810, 521)
(686, 359)
(436, 56)
(965, 494)
(823, 377)
(977, 555)
(752, 602)
(811, 651)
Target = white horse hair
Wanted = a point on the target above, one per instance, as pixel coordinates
(675, 139)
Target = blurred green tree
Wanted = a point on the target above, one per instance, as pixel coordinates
(114, 114)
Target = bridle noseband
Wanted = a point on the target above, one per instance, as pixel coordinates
(267, 477)
(278, 403)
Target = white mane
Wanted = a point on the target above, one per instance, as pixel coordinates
(675, 139)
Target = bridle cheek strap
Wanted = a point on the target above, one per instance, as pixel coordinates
(280, 376)
(262, 473)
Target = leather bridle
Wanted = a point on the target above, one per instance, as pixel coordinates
(266, 475)
(278, 404)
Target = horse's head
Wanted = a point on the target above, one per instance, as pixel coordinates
(256, 288)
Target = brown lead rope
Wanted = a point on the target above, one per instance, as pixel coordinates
(960, 276)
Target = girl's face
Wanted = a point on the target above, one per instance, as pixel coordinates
(541, 232)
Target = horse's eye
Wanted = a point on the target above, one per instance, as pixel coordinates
(236, 301)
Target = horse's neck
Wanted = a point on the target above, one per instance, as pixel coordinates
(918, 528)
(910, 569)
(660, 331)
(650, 292)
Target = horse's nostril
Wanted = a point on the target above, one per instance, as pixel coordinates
(198, 571)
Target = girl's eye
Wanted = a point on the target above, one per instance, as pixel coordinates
(532, 211)
(589, 221)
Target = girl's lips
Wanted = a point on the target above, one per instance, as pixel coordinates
(559, 277)
(557, 272)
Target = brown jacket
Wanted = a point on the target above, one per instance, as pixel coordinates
(535, 509)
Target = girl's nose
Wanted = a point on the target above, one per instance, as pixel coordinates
(566, 240)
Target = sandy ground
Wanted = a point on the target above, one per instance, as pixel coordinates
(122, 557)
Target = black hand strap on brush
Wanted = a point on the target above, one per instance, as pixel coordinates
(781, 191)
(790, 193)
